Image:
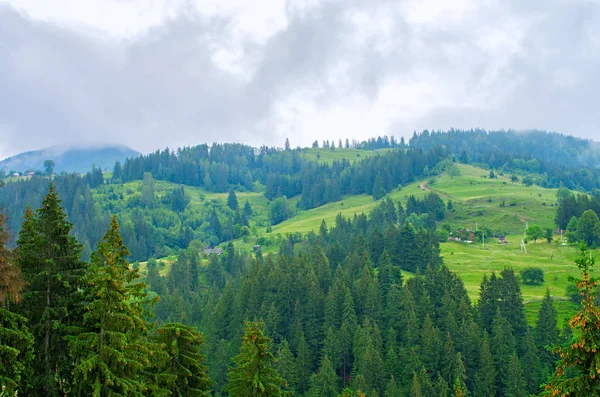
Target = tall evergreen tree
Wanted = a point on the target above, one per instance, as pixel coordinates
(49, 257)
(516, 384)
(16, 342)
(325, 382)
(232, 201)
(532, 371)
(253, 373)
(546, 333)
(579, 365)
(286, 365)
(184, 371)
(502, 345)
(112, 353)
(485, 381)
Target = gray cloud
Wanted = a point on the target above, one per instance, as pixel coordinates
(337, 69)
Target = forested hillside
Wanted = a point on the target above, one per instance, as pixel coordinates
(335, 273)
(331, 313)
(560, 160)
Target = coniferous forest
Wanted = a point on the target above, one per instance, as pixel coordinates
(331, 313)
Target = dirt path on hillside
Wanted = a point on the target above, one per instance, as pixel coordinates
(426, 188)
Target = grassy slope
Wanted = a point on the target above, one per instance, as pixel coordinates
(476, 199)
(328, 156)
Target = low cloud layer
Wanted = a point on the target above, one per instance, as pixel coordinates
(156, 74)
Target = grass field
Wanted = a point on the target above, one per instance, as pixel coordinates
(328, 156)
(497, 204)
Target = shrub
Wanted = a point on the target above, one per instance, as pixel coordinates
(532, 276)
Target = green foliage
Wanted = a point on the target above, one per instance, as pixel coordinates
(16, 342)
(546, 332)
(183, 373)
(325, 382)
(532, 276)
(579, 365)
(112, 352)
(49, 166)
(535, 232)
(279, 210)
(549, 235)
(49, 257)
(253, 373)
(527, 181)
(232, 201)
(16, 353)
(588, 228)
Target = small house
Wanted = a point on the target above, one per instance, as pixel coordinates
(470, 238)
(502, 239)
(256, 248)
(216, 251)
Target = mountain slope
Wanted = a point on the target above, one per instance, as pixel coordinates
(69, 159)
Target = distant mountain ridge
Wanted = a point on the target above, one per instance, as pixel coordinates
(69, 159)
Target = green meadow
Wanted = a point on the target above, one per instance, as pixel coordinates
(329, 156)
(496, 204)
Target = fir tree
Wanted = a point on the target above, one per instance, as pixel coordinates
(515, 385)
(391, 390)
(232, 201)
(303, 363)
(184, 371)
(112, 353)
(49, 257)
(486, 372)
(532, 371)
(325, 382)
(546, 332)
(253, 373)
(16, 342)
(502, 345)
(579, 365)
(286, 365)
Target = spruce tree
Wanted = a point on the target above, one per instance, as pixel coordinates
(304, 367)
(486, 372)
(502, 346)
(391, 390)
(184, 371)
(49, 257)
(532, 371)
(232, 201)
(253, 373)
(286, 365)
(516, 384)
(325, 382)
(546, 333)
(578, 369)
(16, 342)
(112, 353)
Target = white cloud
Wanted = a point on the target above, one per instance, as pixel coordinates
(152, 73)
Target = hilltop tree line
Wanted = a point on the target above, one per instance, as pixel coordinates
(281, 172)
(560, 160)
(156, 225)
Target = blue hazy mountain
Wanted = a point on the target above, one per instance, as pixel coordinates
(69, 159)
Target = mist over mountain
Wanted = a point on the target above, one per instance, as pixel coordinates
(69, 159)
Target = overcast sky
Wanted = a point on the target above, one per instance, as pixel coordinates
(157, 73)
